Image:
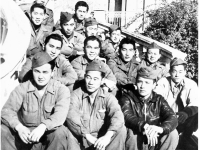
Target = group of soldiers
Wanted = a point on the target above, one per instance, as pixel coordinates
(82, 89)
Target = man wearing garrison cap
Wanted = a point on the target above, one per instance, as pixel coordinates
(91, 27)
(72, 40)
(95, 117)
(111, 45)
(150, 121)
(33, 116)
(182, 95)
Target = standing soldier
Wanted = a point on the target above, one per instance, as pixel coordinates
(72, 40)
(95, 117)
(35, 111)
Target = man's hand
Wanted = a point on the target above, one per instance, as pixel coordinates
(71, 45)
(182, 116)
(37, 133)
(152, 132)
(90, 138)
(110, 84)
(23, 132)
(103, 141)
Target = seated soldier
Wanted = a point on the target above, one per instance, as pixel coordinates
(150, 121)
(63, 70)
(123, 65)
(111, 45)
(35, 111)
(39, 30)
(152, 60)
(91, 27)
(92, 46)
(48, 19)
(81, 10)
(72, 40)
(182, 95)
(95, 117)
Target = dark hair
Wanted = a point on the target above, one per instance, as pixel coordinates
(81, 3)
(102, 74)
(55, 37)
(184, 66)
(37, 5)
(127, 40)
(92, 38)
(53, 64)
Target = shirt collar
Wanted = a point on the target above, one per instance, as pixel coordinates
(180, 84)
(100, 93)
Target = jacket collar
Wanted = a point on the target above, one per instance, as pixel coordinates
(100, 93)
(84, 60)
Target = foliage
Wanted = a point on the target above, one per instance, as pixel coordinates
(176, 25)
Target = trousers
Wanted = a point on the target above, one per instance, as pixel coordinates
(139, 142)
(59, 139)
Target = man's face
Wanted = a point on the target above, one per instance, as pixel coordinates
(145, 86)
(37, 16)
(127, 52)
(178, 73)
(42, 74)
(69, 26)
(115, 36)
(93, 81)
(53, 48)
(43, 2)
(153, 55)
(92, 49)
(81, 12)
(91, 30)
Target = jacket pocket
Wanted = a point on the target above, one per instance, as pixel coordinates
(48, 111)
(30, 118)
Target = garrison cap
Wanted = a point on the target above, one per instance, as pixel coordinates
(90, 22)
(177, 61)
(113, 28)
(40, 59)
(148, 73)
(96, 65)
(65, 17)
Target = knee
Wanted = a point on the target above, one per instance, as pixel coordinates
(5, 132)
(174, 135)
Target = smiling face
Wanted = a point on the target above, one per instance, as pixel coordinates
(93, 81)
(115, 36)
(145, 86)
(177, 73)
(127, 52)
(153, 55)
(92, 49)
(91, 30)
(69, 26)
(53, 48)
(81, 12)
(37, 16)
(42, 75)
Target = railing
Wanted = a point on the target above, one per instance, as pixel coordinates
(167, 52)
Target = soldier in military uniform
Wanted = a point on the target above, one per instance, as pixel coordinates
(91, 27)
(152, 60)
(72, 40)
(48, 19)
(95, 117)
(110, 46)
(39, 31)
